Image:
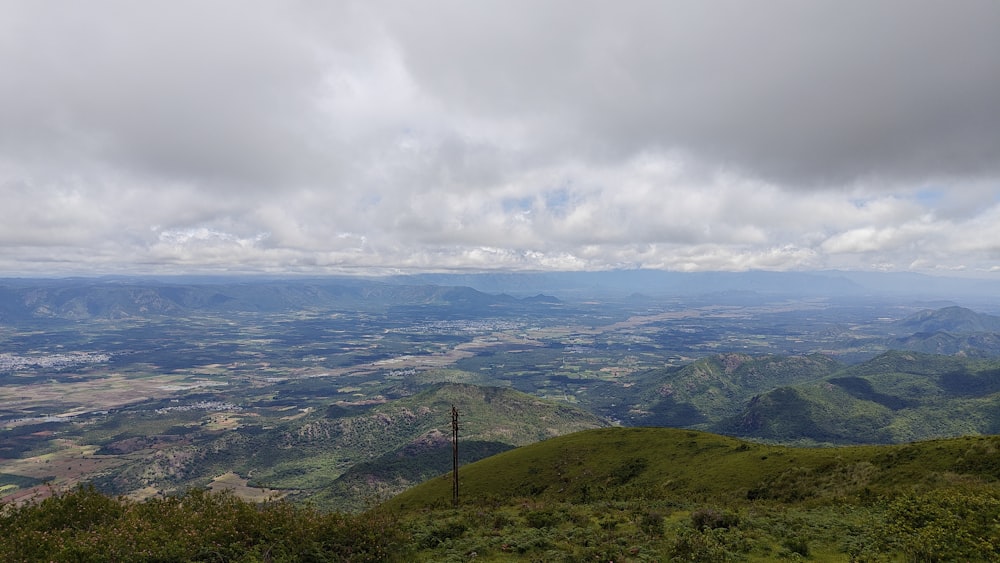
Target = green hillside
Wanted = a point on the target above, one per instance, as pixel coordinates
(492, 420)
(893, 398)
(896, 397)
(950, 330)
(395, 472)
(655, 494)
(706, 391)
(305, 455)
(692, 466)
(612, 494)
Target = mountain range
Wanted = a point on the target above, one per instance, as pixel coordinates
(85, 298)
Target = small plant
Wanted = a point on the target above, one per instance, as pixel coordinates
(542, 518)
(651, 523)
(442, 533)
(700, 545)
(710, 518)
(501, 521)
(796, 545)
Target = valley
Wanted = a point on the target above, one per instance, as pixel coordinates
(337, 391)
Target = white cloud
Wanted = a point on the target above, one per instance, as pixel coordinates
(300, 137)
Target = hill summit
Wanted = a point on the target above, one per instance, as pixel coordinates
(638, 494)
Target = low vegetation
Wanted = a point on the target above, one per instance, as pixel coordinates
(615, 494)
(84, 525)
(655, 494)
(895, 397)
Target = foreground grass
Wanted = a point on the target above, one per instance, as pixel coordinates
(658, 494)
(84, 525)
(952, 526)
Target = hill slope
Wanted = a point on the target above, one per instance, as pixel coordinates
(618, 494)
(309, 453)
(704, 392)
(895, 397)
(949, 319)
(693, 466)
(641, 494)
(951, 331)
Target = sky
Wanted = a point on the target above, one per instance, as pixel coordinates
(308, 137)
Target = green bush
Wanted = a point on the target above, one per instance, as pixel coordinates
(651, 523)
(542, 518)
(943, 525)
(442, 533)
(708, 545)
(796, 545)
(83, 525)
(710, 518)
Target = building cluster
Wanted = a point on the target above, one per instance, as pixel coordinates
(14, 362)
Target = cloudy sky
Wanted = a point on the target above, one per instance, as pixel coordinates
(193, 136)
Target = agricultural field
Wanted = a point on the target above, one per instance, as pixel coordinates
(284, 388)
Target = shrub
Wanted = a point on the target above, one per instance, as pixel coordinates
(83, 525)
(796, 545)
(442, 532)
(943, 525)
(703, 545)
(651, 523)
(709, 518)
(542, 518)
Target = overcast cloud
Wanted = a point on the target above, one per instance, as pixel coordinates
(312, 137)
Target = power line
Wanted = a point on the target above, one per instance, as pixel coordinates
(454, 455)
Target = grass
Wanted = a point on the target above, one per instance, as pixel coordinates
(637, 494)
(83, 526)
(613, 494)
(650, 462)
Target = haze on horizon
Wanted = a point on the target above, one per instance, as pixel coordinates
(378, 136)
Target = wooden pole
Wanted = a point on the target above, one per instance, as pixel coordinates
(454, 455)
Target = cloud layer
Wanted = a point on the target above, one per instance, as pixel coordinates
(308, 137)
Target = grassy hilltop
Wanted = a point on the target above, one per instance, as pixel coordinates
(665, 464)
(653, 494)
(613, 494)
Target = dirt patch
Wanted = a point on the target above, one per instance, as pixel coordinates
(238, 486)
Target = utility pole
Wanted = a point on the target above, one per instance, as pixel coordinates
(454, 455)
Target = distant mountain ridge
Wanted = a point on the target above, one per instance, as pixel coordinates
(658, 283)
(950, 331)
(120, 299)
(623, 283)
(976, 344)
(80, 297)
(950, 319)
